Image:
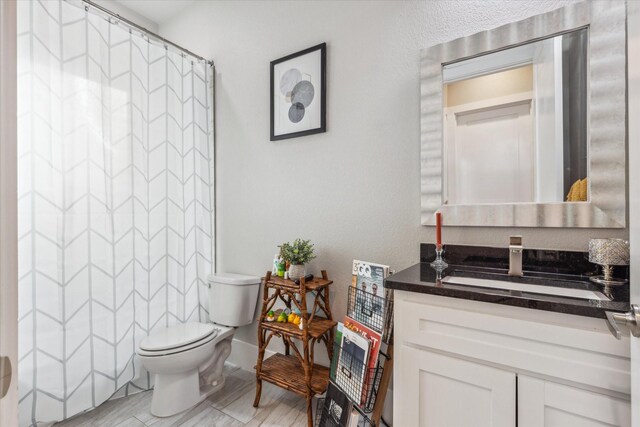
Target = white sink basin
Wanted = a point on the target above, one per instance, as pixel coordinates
(523, 287)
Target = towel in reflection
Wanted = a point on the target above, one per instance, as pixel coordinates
(578, 191)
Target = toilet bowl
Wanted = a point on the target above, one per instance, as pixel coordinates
(187, 359)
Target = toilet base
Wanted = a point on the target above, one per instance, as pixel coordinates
(175, 393)
(178, 388)
(209, 389)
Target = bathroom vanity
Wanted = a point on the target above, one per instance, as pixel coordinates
(475, 346)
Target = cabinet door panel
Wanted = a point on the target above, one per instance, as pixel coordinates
(549, 404)
(444, 391)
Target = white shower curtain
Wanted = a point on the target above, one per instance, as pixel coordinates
(115, 159)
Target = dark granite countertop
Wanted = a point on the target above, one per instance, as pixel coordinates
(422, 278)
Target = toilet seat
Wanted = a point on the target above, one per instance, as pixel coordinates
(177, 338)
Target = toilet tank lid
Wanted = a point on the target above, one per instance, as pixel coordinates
(233, 279)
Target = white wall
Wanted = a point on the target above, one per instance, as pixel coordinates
(121, 9)
(354, 190)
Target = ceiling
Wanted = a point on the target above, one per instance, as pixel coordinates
(157, 11)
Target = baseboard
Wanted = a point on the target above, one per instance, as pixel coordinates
(244, 354)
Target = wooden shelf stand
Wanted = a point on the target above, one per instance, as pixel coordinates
(296, 372)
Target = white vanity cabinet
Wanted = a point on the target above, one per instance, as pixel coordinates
(546, 403)
(449, 391)
(467, 363)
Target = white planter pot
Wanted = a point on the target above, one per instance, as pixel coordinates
(297, 271)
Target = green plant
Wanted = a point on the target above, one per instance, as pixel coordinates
(298, 252)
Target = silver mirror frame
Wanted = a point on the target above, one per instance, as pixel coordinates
(607, 112)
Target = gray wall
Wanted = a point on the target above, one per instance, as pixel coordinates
(355, 190)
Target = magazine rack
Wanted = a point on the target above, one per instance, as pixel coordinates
(297, 372)
(372, 310)
(346, 372)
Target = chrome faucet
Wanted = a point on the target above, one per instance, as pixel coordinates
(515, 255)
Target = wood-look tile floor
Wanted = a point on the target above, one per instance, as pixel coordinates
(232, 406)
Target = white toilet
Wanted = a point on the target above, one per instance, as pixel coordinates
(187, 359)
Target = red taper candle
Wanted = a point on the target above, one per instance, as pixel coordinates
(438, 229)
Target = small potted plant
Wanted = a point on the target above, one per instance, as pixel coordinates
(298, 254)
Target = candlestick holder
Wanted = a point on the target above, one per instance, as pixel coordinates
(608, 253)
(439, 263)
(439, 277)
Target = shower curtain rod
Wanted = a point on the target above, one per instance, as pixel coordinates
(148, 33)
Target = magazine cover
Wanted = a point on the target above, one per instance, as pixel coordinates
(351, 371)
(369, 277)
(374, 337)
(338, 406)
(366, 307)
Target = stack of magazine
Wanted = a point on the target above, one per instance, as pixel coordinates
(358, 340)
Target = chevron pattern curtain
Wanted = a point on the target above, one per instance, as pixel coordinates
(115, 203)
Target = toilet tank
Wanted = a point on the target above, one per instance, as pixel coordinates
(232, 298)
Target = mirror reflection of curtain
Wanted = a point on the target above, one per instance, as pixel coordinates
(115, 210)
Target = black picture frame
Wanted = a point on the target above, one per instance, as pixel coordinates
(322, 47)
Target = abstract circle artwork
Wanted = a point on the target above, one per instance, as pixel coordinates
(303, 93)
(288, 81)
(296, 112)
(298, 94)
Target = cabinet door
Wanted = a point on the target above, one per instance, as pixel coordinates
(545, 403)
(444, 391)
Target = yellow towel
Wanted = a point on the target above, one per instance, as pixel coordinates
(578, 191)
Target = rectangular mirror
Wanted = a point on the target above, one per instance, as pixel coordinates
(518, 128)
(515, 124)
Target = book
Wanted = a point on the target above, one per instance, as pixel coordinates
(368, 304)
(351, 370)
(338, 336)
(354, 419)
(337, 406)
(375, 340)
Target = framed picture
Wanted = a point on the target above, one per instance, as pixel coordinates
(298, 93)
